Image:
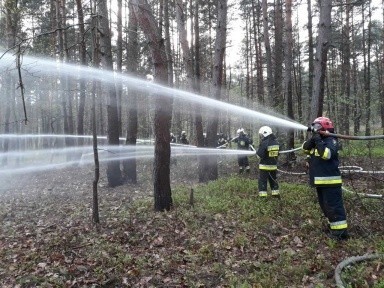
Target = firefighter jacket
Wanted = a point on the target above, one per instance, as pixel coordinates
(243, 142)
(268, 152)
(323, 161)
(184, 140)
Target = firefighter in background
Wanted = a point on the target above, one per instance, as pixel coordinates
(221, 141)
(324, 174)
(173, 138)
(268, 153)
(173, 141)
(243, 143)
(183, 138)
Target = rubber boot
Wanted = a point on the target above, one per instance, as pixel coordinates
(263, 194)
(276, 194)
(338, 235)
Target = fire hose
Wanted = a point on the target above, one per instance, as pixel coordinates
(351, 260)
(350, 137)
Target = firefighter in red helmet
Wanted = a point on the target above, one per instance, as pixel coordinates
(324, 174)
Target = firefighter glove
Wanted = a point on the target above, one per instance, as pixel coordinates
(316, 137)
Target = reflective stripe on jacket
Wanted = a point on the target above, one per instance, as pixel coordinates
(268, 152)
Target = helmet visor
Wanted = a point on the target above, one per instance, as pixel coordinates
(317, 126)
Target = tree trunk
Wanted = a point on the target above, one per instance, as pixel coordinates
(217, 80)
(278, 102)
(129, 165)
(346, 72)
(168, 47)
(288, 70)
(96, 61)
(163, 108)
(323, 43)
(83, 61)
(191, 79)
(11, 33)
(258, 57)
(113, 169)
(119, 60)
(268, 53)
(310, 61)
(198, 107)
(68, 117)
(381, 75)
(367, 74)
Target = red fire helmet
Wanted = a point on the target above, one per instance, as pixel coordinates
(325, 122)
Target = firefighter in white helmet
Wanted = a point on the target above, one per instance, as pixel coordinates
(268, 152)
(183, 138)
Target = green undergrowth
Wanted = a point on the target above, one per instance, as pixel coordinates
(367, 148)
(282, 237)
(218, 234)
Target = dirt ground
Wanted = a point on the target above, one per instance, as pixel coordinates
(60, 190)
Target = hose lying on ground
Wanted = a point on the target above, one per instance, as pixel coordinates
(351, 260)
(366, 195)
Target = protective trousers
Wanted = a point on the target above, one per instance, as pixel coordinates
(243, 162)
(265, 177)
(331, 203)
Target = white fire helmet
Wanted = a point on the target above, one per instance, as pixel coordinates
(240, 130)
(265, 131)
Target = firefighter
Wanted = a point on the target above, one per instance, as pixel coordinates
(183, 138)
(221, 141)
(324, 174)
(173, 138)
(243, 143)
(268, 153)
(173, 141)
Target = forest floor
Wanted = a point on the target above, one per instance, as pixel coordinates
(226, 237)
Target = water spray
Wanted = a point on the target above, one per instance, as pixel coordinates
(43, 67)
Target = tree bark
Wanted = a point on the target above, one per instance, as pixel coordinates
(278, 102)
(217, 80)
(346, 72)
(168, 47)
(11, 33)
(119, 60)
(288, 70)
(256, 13)
(113, 167)
(95, 63)
(130, 165)
(163, 108)
(268, 53)
(310, 61)
(381, 75)
(367, 74)
(323, 43)
(198, 107)
(83, 61)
